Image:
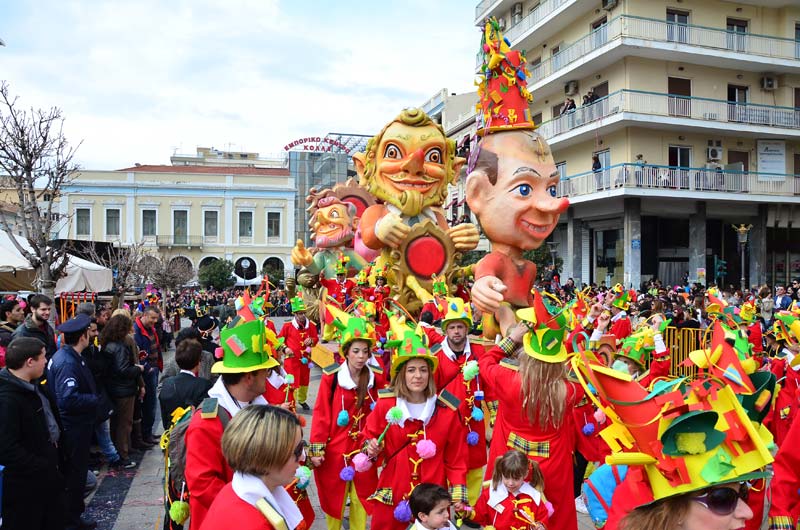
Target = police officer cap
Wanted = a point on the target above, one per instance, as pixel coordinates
(77, 323)
(205, 323)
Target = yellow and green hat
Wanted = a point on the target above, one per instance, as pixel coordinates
(622, 298)
(638, 346)
(439, 285)
(341, 264)
(545, 341)
(244, 349)
(409, 343)
(364, 308)
(298, 305)
(350, 328)
(456, 309)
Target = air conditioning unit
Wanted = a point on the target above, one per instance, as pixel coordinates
(769, 82)
(571, 88)
(608, 5)
(715, 153)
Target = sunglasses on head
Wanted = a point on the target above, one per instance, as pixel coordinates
(723, 500)
(300, 451)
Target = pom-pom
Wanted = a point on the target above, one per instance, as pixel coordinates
(600, 416)
(372, 406)
(588, 429)
(303, 476)
(379, 351)
(361, 462)
(472, 438)
(218, 353)
(308, 349)
(302, 420)
(395, 415)
(691, 443)
(303, 360)
(470, 370)
(402, 512)
(179, 511)
(426, 448)
(289, 378)
(383, 340)
(421, 351)
(347, 473)
(550, 509)
(477, 414)
(343, 418)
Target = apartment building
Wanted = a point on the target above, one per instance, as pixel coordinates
(693, 112)
(208, 206)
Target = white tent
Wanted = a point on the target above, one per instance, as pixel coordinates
(81, 275)
(241, 282)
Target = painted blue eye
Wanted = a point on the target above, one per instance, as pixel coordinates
(524, 189)
(552, 191)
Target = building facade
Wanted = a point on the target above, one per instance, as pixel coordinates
(194, 212)
(692, 109)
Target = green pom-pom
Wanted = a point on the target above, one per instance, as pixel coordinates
(179, 511)
(394, 415)
(691, 443)
(470, 370)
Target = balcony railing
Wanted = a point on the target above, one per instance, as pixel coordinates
(533, 18)
(667, 32)
(179, 241)
(481, 8)
(648, 176)
(704, 109)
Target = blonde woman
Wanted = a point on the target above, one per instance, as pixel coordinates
(264, 447)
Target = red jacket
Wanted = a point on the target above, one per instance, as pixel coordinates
(338, 291)
(228, 511)
(786, 483)
(295, 337)
(508, 515)
(621, 328)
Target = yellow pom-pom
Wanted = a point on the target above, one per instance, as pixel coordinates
(749, 365)
(691, 443)
(179, 511)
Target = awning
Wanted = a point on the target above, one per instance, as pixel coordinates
(241, 282)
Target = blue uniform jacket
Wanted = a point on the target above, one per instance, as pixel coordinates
(72, 383)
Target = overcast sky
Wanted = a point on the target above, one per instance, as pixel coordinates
(139, 79)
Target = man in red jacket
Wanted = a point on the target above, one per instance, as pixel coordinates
(300, 335)
(243, 370)
(620, 323)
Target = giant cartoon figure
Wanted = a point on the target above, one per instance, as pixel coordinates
(408, 166)
(511, 185)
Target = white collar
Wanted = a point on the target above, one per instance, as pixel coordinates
(226, 401)
(297, 325)
(496, 496)
(276, 379)
(419, 526)
(618, 316)
(345, 380)
(187, 372)
(426, 212)
(425, 416)
(449, 352)
(251, 489)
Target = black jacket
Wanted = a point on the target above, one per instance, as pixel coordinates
(48, 336)
(124, 375)
(182, 390)
(31, 461)
(72, 383)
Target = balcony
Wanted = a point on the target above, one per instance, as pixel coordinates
(652, 109)
(659, 39)
(648, 179)
(179, 241)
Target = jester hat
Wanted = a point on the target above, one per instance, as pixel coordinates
(341, 265)
(244, 349)
(715, 304)
(748, 312)
(504, 98)
(298, 305)
(545, 341)
(439, 285)
(787, 325)
(683, 436)
(721, 360)
(457, 310)
(638, 346)
(622, 298)
(350, 328)
(364, 308)
(409, 343)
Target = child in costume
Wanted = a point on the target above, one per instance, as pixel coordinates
(430, 505)
(300, 335)
(514, 499)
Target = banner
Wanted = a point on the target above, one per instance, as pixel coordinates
(771, 156)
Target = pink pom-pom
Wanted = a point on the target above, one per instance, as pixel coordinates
(426, 448)
(218, 353)
(308, 349)
(361, 462)
(550, 510)
(600, 416)
(421, 351)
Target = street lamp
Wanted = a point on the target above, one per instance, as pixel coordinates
(742, 232)
(553, 246)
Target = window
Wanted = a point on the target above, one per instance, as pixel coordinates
(537, 119)
(561, 167)
(737, 35)
(273, 224)
(112, 222)
(180, 227)
(149, 223)
(599, 32)
(47, 197)
(679, 102)
(680, 156)
(211, 223)
(677, 22)
(737, 105)
(797, 41)
(245, 224)
(83, 221)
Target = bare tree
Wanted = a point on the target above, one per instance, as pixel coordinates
(38, 160)
(167, 272)
(127, 265)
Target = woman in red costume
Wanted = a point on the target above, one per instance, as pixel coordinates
(347, 393)
(543, 426)
(416, 434)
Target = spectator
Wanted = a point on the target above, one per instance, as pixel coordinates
(767, 304)
(85, 308)
(29, 442)
(640, 162)
(76, 396)
(597, 169)
(125, 382)
(185, 389)
(150, 352)
(782, 300)
(36, 324)
(11, 316)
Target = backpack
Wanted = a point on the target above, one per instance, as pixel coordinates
(598, 491)
(173, 442)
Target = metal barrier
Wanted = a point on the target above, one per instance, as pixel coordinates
(680, 343)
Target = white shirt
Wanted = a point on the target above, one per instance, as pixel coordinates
(226, 401)
(250, 489)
